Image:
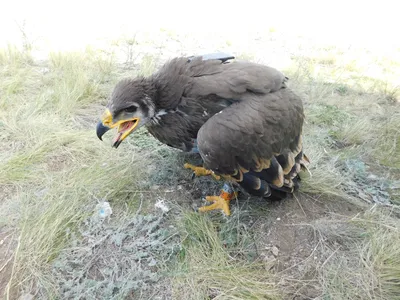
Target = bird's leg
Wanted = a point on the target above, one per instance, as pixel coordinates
(221, 201)
(200, 171)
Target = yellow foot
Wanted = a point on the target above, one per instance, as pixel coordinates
(200, 171)
(220, 202)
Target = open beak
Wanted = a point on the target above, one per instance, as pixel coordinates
(125, 127)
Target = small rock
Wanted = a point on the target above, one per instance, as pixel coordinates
(275, 251)
(103, 210)
(161, 205)
(26, 297)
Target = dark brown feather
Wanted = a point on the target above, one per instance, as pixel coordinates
(195, 91)
(244, 117)
(233, 80)
(260, 126)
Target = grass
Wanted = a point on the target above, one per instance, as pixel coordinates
(54, 172)
(365, 265)
(54, 166)
(210, 264)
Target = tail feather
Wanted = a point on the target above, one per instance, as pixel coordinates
(300, 165)
(292, 179)
(254, 185)
(272, 183)
(304, 163)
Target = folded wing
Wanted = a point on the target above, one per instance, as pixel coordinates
(258, 137)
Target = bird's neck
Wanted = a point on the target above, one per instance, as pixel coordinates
(167, 95)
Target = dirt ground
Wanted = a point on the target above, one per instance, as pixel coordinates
(287, 233)
(295, 236)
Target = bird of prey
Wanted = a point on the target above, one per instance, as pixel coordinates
(240, 116)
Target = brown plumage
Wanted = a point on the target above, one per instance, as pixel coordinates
(247, 122)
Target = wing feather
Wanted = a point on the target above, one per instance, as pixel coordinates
(256, 135)
(231, 80)
(260, 134)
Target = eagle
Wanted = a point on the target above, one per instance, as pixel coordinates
(239, 116)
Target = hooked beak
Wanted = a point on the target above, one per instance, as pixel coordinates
(125, 127)
(101, 130)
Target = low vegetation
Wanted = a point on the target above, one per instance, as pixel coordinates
(338, 238)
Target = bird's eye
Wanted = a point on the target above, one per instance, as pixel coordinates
(130, 109)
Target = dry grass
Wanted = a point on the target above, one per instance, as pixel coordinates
(345, 121)
(54, 171)
(211, 262)
(365, 263)
(55, 167)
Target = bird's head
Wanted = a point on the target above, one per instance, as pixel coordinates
(130, 107)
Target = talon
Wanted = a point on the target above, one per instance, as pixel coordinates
(220, 202)
(200, 171)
